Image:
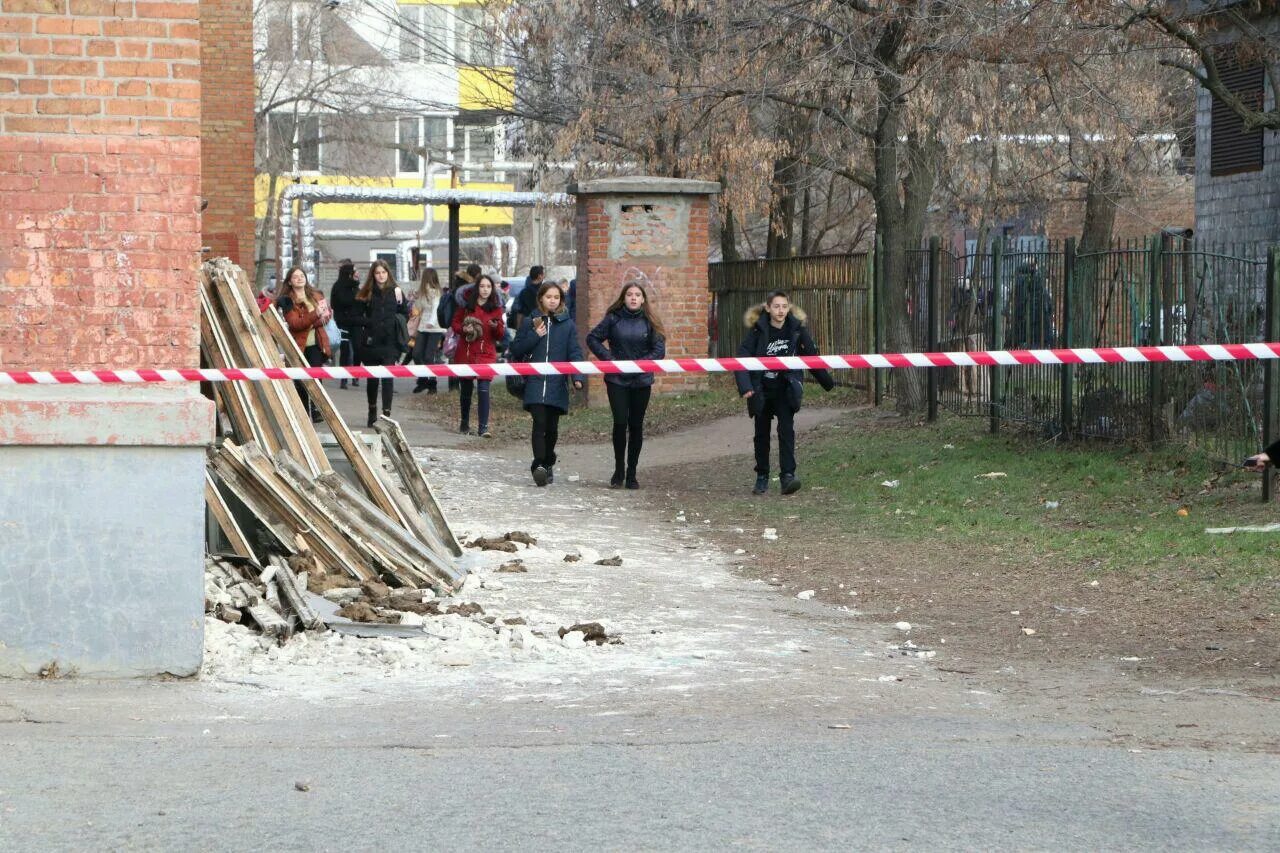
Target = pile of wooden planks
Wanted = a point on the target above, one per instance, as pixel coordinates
(273, 492)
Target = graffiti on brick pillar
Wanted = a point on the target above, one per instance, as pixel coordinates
(654, 282)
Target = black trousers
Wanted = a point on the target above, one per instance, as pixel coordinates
(546, 426)
(482, 404)
(628, 405)
(426, 350)
(777, 406)
(376, 358)
(315, 358)
(346, 349)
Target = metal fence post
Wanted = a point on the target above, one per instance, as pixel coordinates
(870, 318)
(1154, 373)
(1067, 407)
(997, 328)
(1271, 326)
(934, 301)
(877, 285)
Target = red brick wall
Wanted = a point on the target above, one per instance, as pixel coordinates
(99, 184)
(1158, 203)
(610, 246)
(226, 123)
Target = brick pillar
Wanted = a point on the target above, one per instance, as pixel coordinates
(101, 487)
(658, 227)
(226, 129)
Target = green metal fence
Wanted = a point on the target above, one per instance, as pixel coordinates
(1037, 294)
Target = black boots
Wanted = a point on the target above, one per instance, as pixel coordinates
(790, 484)
(373, 415)
(615, 482)
(632, 483)
(762, 484)
(541, 476)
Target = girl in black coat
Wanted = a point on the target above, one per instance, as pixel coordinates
(381, 301)
(630, 331)
(347, 315)
(777, 329)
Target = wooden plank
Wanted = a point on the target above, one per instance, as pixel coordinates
(410, 473)
(261, 509)
(294, 595)
(233, 396)
(247, 321)
(269, 622)
(327, 542)
(351, 446)
(226, 521)
(272, 407)
(426, 564)
(367, 532)
(441, 570)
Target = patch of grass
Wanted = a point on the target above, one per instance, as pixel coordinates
(1117, 508)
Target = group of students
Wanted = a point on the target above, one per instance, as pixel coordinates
(380, 325)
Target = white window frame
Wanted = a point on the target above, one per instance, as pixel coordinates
(422, 135)
(463, 149)
(462, 35)
(295, 153)
(418, 13)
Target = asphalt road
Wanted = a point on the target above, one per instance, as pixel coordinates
(185, 766)
(751, 721)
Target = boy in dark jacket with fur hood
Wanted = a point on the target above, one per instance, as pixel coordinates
(777, 329)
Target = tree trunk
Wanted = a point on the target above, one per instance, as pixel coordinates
(728, 243)
(805, 247)
(782, 209)
(266, 230)
(1099, 224)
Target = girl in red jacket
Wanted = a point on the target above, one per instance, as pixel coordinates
(479, 326)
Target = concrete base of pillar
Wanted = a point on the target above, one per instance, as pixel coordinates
(102, 522)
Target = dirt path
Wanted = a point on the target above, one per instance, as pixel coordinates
(713, 588)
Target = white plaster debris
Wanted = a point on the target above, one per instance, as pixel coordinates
(685, 620)
(902, 626)
(770, 533)
(805, 595)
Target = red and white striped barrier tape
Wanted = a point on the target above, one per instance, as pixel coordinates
(988, 358)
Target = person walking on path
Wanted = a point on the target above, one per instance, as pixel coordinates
(777, 329)
(425, 329)
(305, 312)
(384, 309)
(525, 303)
(348, 316)
(629, 331)
(548, 335)
(479, 326)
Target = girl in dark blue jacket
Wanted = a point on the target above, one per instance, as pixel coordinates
(548, 335)
(630, 331)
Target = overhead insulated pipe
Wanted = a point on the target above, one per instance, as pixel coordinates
(391, 195)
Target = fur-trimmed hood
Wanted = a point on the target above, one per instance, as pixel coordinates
(755, 312)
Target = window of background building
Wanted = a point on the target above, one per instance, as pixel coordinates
(479, 148)
(409, 138)
(475, 43)
(424, 34)
(294, 142)
(1232, 149)
(431, 131)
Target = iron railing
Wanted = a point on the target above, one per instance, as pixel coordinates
(1039, 294)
